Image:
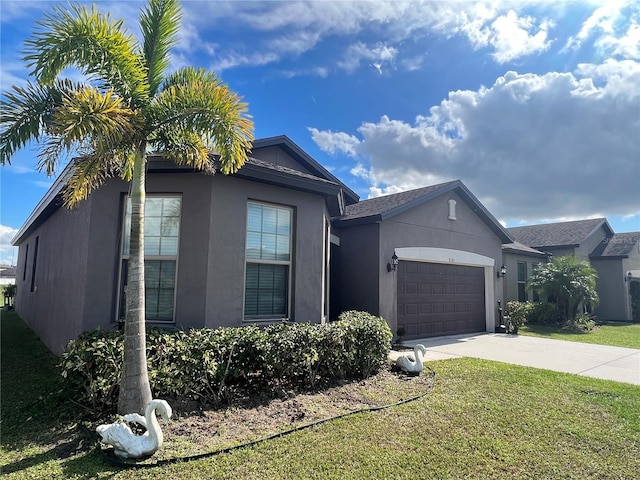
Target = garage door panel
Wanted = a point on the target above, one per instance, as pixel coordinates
(440, 299)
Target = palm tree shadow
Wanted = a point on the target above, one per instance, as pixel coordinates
(83, 461)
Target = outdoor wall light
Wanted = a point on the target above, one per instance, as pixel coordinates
(628, 276)
(502, 272)
(391, 267)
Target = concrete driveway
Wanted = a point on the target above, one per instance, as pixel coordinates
(597, 361)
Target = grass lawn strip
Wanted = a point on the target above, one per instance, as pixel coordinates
(483, 420)
(614, 334)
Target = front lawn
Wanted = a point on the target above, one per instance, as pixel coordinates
(615, 334)
(482, 420)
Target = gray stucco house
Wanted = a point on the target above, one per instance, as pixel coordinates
(281, 239)
(219, 250)
(448, 252)
(615, 256)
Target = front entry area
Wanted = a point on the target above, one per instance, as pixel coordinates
(437, 299)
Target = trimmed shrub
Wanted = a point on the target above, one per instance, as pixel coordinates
(545, 314)
(518, 312)
(207, 364)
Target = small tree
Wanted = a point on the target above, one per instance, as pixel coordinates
(569, 281)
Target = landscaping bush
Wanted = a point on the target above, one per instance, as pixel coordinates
(545, 314)
(206, 364)
(518, 312)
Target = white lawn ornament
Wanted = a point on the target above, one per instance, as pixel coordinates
(127, 444)
(413, 364)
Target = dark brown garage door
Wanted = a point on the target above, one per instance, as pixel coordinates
(440, 299)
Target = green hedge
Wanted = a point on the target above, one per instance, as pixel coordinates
(206, 364)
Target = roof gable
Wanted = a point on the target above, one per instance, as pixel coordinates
(621, 245)
(308, 163)
(381, 208)
(562, 234)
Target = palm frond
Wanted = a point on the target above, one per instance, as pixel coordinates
(90, 122)
(210, 110)
(184, 147)
(160, 23)
(89, 172)
(99, 46)
(189, 75)
(27, 113)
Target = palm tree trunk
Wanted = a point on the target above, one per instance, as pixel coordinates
(135, 391)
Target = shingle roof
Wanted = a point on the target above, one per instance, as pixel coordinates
(517, 247)
(286, 170)
(385, 204)
(621, 244)
(381, 208)
(557, 234)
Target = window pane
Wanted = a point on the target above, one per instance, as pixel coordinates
(254, 218)
(282, 248)
(266, 292)
(269, 220)
(268, 247)
(253, 244)
(153, 207)
(168, 246)
(522, 272)
(284, 222)
(161, 220)
(151, 245)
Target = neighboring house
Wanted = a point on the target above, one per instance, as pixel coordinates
(612, 255)
(220, 249)
(448, 249)
(7, 275)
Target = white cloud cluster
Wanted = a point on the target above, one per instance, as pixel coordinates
(8, 253)
(293, 28)
(530, 146)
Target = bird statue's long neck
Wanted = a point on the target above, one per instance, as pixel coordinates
(153, 427)
(419, 356)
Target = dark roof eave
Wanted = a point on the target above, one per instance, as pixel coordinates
(526, 253)
(266, 175)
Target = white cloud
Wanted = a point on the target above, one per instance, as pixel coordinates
(334, 142)
(377, 55)
(614, 28)
(530, 146)
(290, 29)
(8, 253)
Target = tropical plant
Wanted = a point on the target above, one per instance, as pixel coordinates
(569, 281)
(127, 108)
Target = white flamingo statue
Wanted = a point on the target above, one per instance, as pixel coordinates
(413, 364)
(127, 444)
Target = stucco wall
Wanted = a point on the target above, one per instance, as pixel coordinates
(54, 309)
(78, 266)
(227, 226)
(510, 282)
(356, 276)
(612, 290)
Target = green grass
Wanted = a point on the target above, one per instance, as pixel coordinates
(615, 334)
(482, 420)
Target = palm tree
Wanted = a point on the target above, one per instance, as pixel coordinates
(128, 108)
(569, 281)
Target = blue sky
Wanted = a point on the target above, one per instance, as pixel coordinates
(535, 106)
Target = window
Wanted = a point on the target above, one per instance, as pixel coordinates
(26, 260)
(536, 294)
(33, 266)
(268, 261)
(522, 281)
(161, 235)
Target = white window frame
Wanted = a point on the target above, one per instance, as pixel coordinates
(124, 257)
(289, 263)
